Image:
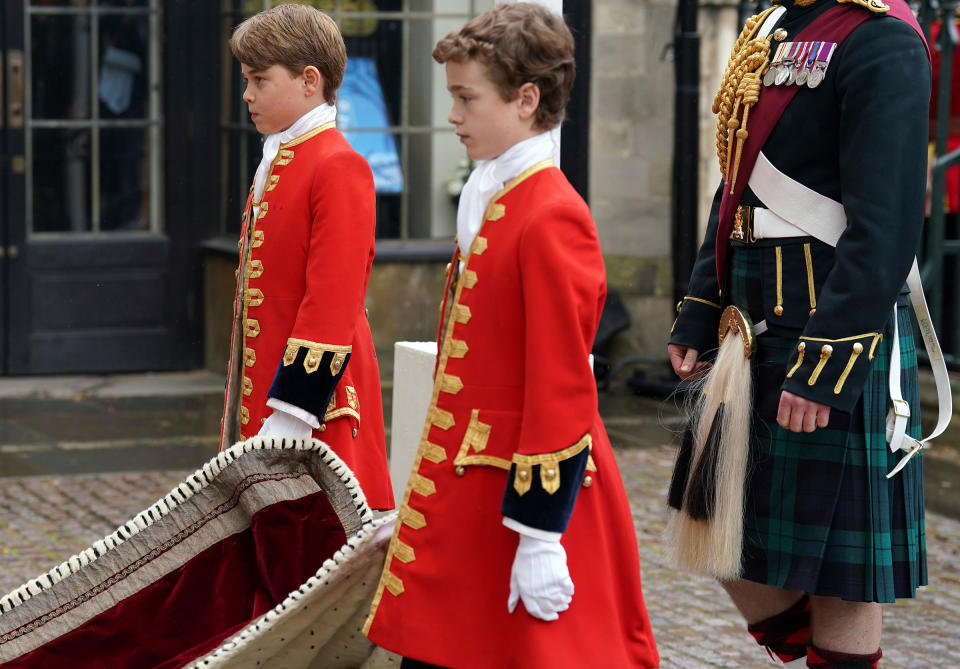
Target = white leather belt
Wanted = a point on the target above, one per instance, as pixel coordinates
(794, 207)
(767, 225)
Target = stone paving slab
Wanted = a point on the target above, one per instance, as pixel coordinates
(44, 520)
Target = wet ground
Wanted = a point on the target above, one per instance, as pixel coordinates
(80, 455)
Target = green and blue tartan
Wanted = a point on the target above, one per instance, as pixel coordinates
(821, 516)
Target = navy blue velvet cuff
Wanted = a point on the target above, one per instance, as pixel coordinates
(306, 377)
(536, 507)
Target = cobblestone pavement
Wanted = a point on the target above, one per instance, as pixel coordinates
(46, 519)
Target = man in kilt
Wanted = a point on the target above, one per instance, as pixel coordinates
(824, 103)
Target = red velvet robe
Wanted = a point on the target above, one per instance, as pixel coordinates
(300, 329)
(514, 388)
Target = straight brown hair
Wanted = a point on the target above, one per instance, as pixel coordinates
(294, 36)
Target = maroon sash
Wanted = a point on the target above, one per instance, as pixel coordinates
(834, 25)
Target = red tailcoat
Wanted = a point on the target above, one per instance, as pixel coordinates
(300, 330)
(514, 392)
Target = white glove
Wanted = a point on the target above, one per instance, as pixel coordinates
(540, 578)
(282, 424)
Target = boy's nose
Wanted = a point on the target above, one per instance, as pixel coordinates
(453, 117)
(247, 95)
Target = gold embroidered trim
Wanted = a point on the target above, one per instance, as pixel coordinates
(479, 245)
(873, 347)
(342, 411)
(591, 465)
(315, 351)
(778, 310)
(264, 208)
(875, 6)
(423, 485)
(405, 553)
(257, 240)
(857, 350)
(352, 398)
(440, 418)
(495, 212)
(253, 328)
(254, 269)
(433, 453)
(272, 182)
(284, 157)
(477, 434)
(307, 135)
(469, 278)
(412, 518)
(519, 179)
(461, 313)
(697, 299)
(247, 386)
(253, 297)
(450, 383)
(875, 335)
(825, 352)
(549, 466)
(810, 288)
(249, 356)
(456, 348)
(801, 347)
(393, 584)
(244, 415)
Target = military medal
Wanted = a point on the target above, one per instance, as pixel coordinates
(798, 63)
(807, 64)
(819, 70)
(771, 75)
(784, 73)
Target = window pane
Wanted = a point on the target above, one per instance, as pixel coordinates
(124, 179)
(60, 3)
(243, 151)
(124, 65)
(61, 180)
(60, 67)
(123, 3)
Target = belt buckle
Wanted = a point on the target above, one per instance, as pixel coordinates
(743, 225)
(901, 408)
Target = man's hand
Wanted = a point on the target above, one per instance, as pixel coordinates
(801, 415)
(684, 361)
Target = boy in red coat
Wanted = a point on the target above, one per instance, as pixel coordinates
(302, 360)
(515, 498)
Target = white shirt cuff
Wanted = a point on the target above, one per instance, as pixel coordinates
(527, 531)
(295, 411)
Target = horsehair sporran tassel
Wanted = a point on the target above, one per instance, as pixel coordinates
(706, 534)
(740, 87)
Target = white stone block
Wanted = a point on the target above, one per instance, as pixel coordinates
(413, 365)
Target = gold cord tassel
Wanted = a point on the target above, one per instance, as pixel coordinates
(741, 87)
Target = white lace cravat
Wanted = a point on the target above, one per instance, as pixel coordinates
(271, 145)
(489, 177)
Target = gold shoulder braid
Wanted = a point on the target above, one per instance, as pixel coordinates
(741, 85)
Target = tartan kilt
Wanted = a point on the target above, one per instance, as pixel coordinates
(821, 516)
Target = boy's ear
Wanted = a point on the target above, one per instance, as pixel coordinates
(312, 81)
(528, 97)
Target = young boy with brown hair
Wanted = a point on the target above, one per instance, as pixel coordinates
(515, 495)
(302, 361)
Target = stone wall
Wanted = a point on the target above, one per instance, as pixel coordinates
(631, 135)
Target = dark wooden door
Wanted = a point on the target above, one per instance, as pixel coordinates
(92, 272)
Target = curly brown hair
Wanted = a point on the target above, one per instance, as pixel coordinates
(519, 43)
(294, 36)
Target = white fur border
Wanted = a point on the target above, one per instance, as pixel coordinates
(264, 622)
(180, 494)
